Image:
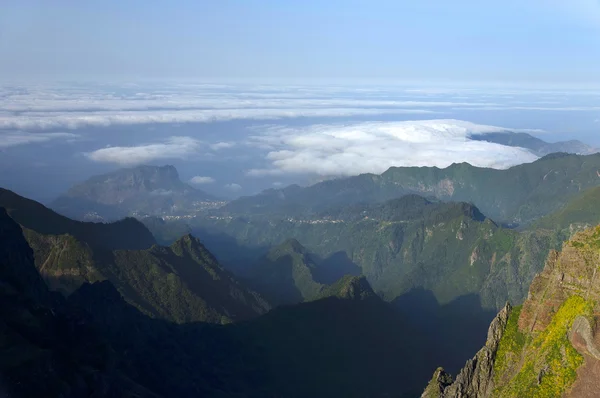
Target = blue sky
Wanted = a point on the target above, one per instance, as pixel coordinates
(546, 42)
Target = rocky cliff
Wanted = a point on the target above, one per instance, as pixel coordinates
(549, 347)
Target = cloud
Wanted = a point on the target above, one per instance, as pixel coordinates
(74, 120)
(233, 187)
(222, 145)
(172, 148)
(22, 138)
(350, 149)
(199, 180)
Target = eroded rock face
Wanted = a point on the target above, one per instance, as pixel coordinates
(476, 378)
(559, 315)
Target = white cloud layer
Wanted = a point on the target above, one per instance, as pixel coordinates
(351, 149)
(15, 138)
(60, 107)
(172, 148)
(200, 180)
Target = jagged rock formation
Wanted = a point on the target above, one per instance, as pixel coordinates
(476, 378)
(180, 283)
(549, 346)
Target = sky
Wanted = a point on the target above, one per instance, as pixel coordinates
(519, 41)
(242, 96)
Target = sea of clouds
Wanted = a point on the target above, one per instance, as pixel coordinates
(316, 130)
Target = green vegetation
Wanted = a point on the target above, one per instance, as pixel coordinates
(582, 210)
(285, 274)
(549, 362)
(518, 195)
(181, 283)
(511, 345)
(448, 248)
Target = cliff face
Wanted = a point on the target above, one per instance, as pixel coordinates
(549, 347)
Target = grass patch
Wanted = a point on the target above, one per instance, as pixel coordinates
(551, 362)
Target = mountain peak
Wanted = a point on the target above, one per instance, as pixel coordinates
(350, 287)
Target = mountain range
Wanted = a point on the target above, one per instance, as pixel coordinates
(181, 283)
(518, 195)
(94, 342)
(537, 146)
(356, 287)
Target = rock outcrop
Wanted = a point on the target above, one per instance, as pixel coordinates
(549, 346)
(476, 378)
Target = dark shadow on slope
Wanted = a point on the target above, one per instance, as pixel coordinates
(325, 348)
(277, 284)
(334, 267)
(233, 256)
(454, 331)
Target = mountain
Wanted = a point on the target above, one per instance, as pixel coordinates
(47, 350)
(450, 249)
(580, 212)
(124, 234)
(96, 344)
(323, 348)
(535, 145)
(518, 195)
(548, 347)
(181, 283)
(285, 274)
(139, 191)
(290, 274)
(99, 343)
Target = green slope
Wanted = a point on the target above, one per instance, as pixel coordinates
(547, 347)
(285, 274)
(519, 195)
(582, 210)
(448, 248)
(182, 283)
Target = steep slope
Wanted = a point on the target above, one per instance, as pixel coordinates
(329, 347)
(135, 191)
(549, 346)
(535, 145)
(125, 234)
(181, 283)
(46, 349)
(580, 212)
(448, 248)
(518, 195)
(285, 274)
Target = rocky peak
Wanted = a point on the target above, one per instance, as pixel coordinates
(550, 346)
(476, 378)
(351, 288)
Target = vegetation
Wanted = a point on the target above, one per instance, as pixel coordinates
(180, 283)
(511, 345)
(518, 195)
(581, 211)
(549, 362)
(410, 242)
